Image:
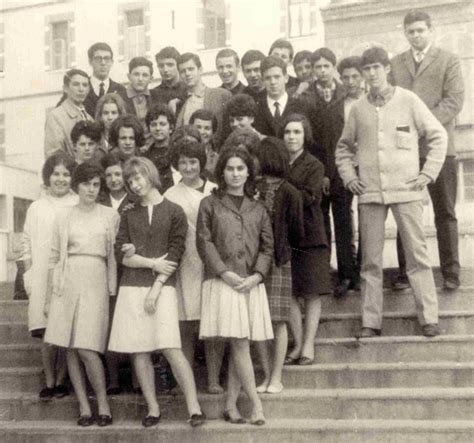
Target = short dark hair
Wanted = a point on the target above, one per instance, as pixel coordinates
(241, 105)
(186, 132)
(56, 159)
(244, 137)
(271, 62)
(99, 46)
(127, 121)
(282, 43)
(91, 129)
(167, 52)
(110, 159)
(301, 56)
(308, 133)
(323, 53)
(417, 15)
(252, 55)
(204, 114)
(350, 62)
(157, 110)
(375, 55)
(273, 157)
(135, 62)
(84, 172)
(228, 52)
(190, 149)
(226, 154)
(71, 73)
(183, 58)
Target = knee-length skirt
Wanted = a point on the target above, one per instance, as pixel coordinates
(278, 286)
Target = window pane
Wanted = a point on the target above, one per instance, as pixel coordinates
(59, 45)
(60, 30)
(468, 175)
(135, 18)
(214, 23)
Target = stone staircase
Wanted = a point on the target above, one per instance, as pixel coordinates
(400, 387)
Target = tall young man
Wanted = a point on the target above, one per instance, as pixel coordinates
(251, 69)
(283, 49)
(382, 134)
(435, 76)
(228, 66)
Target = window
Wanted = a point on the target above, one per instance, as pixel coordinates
(2, 137)
(468, 179)
(214, 23)
(134, 34)
(59, 42)
(2, 48)
(301, 17)
(20, 206)
(59, 46)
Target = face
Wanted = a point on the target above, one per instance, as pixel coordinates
(140, 78)
(324, 70)
(88, 191)
(235, 173)
(253, 75)
(293, 136)
(139, 184)
(304, 70)
(237, 122)
(205, 129)
(168, 69)
(189, 168)
(275, 82)
(190, 73)
(109, 114)
(101, 62)
(283, 53)
(375, 75)
(227, 70)
(78, 89)
(126, 141)
(84, 148)
(114, 178)
(160, 129)
(419, 35)
(60, 181)
(351, 79)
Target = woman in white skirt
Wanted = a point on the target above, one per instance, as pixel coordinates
(83, 280)
(235, 242)
(150, 243)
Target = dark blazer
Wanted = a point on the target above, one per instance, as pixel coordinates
(306, 175)
(256, 95)
(265, 123)
(232, 239)
(91, 100)
(438, 82)
(237, 89)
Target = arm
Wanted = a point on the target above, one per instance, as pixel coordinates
(53, 260)
(26, 239)
(311, 190)
(295, 219)
(53, 136)
(177, 236)
(265, 253)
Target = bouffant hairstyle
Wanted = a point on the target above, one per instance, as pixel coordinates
(93, 130)
(110, 159)
(142, 166)
(241, 105)
(244, 137)
(186, 132)
(308, 133)
(159, 110)
(106, 99)
(85, 172)
(127, 121)
(273, 157)
(190, 149)
(325, 53)
(58, 158)
(204, 114)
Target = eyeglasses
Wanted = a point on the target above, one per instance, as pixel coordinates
(99, 59)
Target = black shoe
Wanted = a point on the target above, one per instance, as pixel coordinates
(451, 284)
(197, 420)
(233, 421)
(116, 390)
(401, 283)
(431, 330)
(104, 420)
(151, 420)
(60, 391)
(342, 287)
(46, 394)
(85, 420)
(138, 391)
(369, 333)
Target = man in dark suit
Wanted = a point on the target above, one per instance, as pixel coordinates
(435, 76)
(276, 104)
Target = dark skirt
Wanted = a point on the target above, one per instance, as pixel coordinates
(278, 286)
(311, 272)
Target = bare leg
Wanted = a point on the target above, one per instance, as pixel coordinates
(311, 322)
(143, 368)
(184, 376)
(48, 358)
(189, 332)
(78, 381)
(280, 346)
(263, 349)
(214, 350)
(96, 375)
(233, 391)
(296, 328)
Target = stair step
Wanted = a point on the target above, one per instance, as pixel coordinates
(395, 323)
(217, 431)
(15, 332)
(18, 355)
(408, 403)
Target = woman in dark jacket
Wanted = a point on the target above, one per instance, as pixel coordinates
(310, 260)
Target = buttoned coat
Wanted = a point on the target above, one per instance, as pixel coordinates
(232, 239)
(90, 103)
(438, 82)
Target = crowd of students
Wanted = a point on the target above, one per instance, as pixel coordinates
(185, 212)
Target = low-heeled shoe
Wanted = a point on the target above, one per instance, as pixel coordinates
(85, 420)
(151, 420)
(104, 420)
(197, 420)
(233, 421)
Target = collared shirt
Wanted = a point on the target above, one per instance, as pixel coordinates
(326, 92)
(420, 55)
(194, 102)
(165, 92)
(139, 101)
(82, 110)
(95, 83)
(282, 101)
(381, 98)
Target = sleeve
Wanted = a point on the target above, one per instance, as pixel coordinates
(56, 242)
(295, 218)
(112, 263)
(346, 150)
(312, 189)
(265, 253)
(26, 237)
(53, 136)
(123, 236)
(204, 242)
(177, 236)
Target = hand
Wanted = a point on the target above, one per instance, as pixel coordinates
(163, 266)
(302, 87)
(356, 186)
(419, 183)
(173, 105)
(326, 184)
(249, 283)
(151, 299)
(232, 279)
(128, 249)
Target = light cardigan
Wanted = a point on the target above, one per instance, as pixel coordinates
(382, 142)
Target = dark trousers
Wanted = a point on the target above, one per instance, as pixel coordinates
(340, 201)
(443, 196)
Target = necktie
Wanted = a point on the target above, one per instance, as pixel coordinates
(277, 114)
(84, 115)
(419, 56)
(101, 89)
